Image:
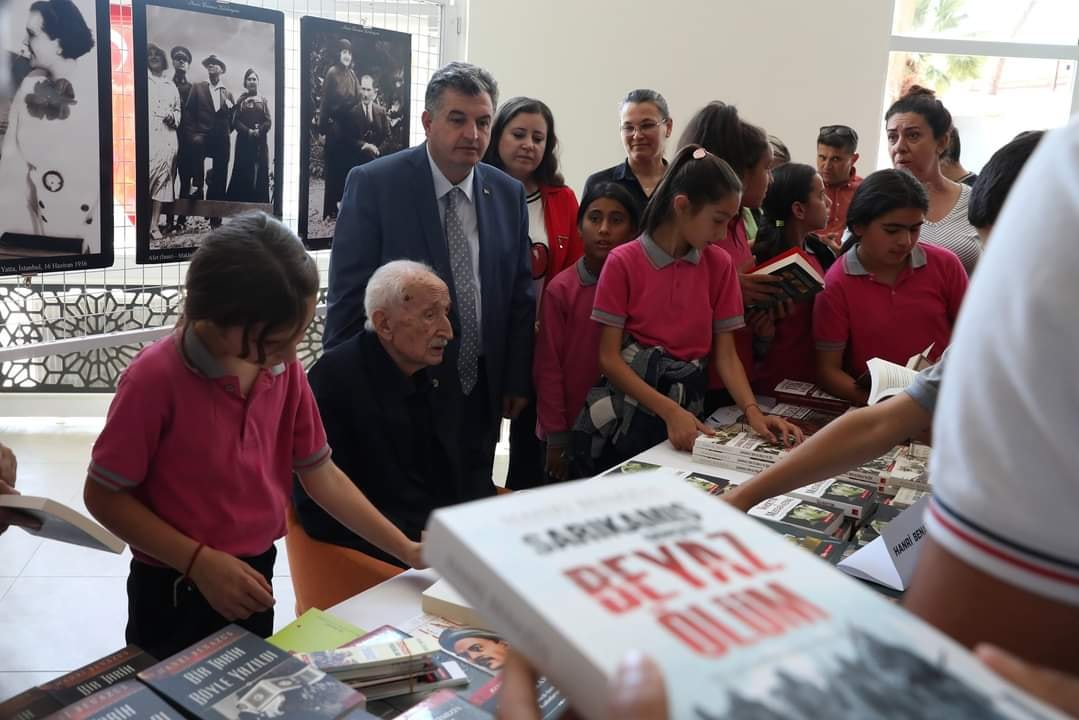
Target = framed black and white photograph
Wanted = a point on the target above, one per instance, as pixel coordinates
(209, 106)
(355, 102)
(55, 136)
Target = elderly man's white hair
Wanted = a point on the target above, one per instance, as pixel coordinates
(387, 285)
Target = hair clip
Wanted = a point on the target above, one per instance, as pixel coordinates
(700, 154)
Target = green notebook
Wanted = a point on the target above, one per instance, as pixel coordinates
(313, 631)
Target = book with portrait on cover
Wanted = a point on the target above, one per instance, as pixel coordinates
(578, 575)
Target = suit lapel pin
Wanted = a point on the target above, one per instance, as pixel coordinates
(486, 191)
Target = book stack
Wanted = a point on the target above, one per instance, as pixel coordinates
(909, 469)
(389, 663)
(372, 665)
(854, 501)
(809, 395)
(737, 447)
(792, 512)
(869, 532)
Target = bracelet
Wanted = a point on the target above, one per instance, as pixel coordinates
(191, 562)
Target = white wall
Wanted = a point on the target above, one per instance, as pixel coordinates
(789, 66)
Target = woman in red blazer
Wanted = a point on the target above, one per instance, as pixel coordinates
(523, 144)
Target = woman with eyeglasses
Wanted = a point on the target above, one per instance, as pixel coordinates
(918, 128)
(523, 145)
(645, 127)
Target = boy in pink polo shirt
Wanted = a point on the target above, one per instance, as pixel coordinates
(667, 290)
(566, 365)
(194, 465)
(888, 295)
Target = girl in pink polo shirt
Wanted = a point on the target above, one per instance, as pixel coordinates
(194, 466)
(567, 346)
(887, 295)
(796, 206)
(719, 129)
(666, 291)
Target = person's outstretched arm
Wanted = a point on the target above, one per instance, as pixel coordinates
(851, 440)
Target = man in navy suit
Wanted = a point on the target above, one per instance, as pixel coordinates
(438, 204)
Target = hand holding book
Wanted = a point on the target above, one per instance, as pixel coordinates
(759, 289)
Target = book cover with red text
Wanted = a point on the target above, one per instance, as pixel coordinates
(578, 575)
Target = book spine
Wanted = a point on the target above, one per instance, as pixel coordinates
(515, 616)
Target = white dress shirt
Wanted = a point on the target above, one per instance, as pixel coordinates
(466, 212)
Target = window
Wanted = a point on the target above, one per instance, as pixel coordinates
(999, 67)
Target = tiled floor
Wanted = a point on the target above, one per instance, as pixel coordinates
(62, 606)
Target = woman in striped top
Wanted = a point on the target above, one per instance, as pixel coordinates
(918, 127)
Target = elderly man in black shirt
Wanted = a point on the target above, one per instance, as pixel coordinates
(375, 398)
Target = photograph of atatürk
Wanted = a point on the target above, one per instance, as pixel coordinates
(209, 100)
(355, 99)
(55, 136)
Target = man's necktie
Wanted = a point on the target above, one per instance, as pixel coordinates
(467, 297)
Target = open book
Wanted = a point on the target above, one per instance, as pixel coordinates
(884, 379)
(59, 522)
(799, 280)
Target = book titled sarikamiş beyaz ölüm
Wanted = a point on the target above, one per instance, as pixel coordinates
(234, 674)
(578, 575)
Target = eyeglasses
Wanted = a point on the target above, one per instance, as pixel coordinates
(646, 127)
(841, 130)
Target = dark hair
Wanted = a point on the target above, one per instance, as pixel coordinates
(703, 180)
(463, 77)
(62, 21)
(251, 71)
(611, 191)
(841, 137)
(718, 129)
(779, 149)
(791, 183)
(547, 171)
(880, 193)
(449, 638)
(954, 146)
(644, 95)
(997, 177)
(252, 270)
(924, 102)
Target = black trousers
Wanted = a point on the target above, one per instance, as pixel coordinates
(528, 454)
(478, 436)
(163, 624)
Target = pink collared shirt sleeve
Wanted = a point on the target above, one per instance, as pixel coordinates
(547, 368)
(137, 418)
(612, 291)
(831, 315)
(727, 310)
(309, 446)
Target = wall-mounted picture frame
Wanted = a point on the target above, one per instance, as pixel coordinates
(209, 111)
(355, 104)
(55, 137)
